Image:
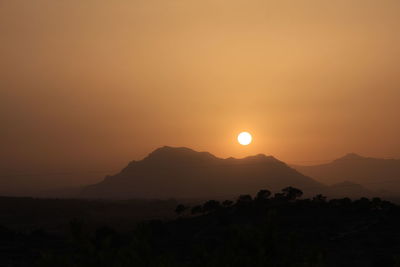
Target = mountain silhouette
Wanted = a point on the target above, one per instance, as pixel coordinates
(179, 172)
(349, 189)
(373, 173)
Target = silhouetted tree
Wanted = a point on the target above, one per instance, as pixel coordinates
(279, 196)
(227, 203)
(270, 233)
(292, 193)
(211, 205)
(377, 203)
(363, 203)
(244, 201)
(344, 202)
(245, 198)
(180, 209)
(196, 210)
(319, 198)
(263, 195)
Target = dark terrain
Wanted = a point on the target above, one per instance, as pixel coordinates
(376, 174)
(263, 230)
(180, 172)
(119, 221)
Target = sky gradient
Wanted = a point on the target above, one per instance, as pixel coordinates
(90, 85)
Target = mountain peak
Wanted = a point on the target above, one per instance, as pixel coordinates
(170, 149)
(350, 156)
(181, 172)
(262, 157)
(168, 153)
(184, 154)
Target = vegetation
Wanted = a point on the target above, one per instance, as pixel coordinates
(282, 230)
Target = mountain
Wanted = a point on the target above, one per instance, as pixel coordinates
(349, 189)
(178, 172)
(372, 173)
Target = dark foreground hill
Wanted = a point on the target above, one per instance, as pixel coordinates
(373, 173)
(261, 231)
(183, 173)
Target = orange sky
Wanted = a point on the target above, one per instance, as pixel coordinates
(93, 84)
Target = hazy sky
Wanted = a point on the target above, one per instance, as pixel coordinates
(91, 85)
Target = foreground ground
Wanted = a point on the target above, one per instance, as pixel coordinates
(252, 231)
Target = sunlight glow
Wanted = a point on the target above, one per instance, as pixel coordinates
(244, 138)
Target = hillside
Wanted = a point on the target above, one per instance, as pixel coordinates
(373, 173)
(261, 230)
(184, 173)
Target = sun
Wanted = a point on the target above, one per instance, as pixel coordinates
(244, 138)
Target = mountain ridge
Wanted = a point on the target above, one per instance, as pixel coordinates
(183, 172)
(377, 174)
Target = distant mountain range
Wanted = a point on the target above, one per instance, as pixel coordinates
(376, 174)
(170, 172)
